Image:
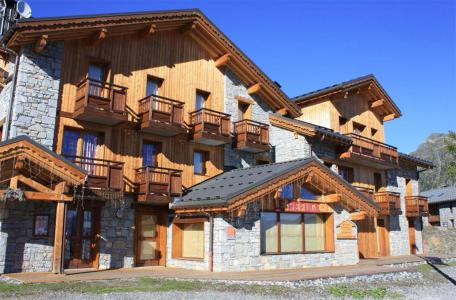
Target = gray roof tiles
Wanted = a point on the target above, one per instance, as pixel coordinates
(442, 194)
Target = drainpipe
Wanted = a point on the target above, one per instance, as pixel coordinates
(13, 91)
(211, 243)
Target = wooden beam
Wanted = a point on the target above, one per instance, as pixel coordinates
(222, 60)
(244, 100)
(13, 182)
(377, 103)
(41, 43)
(98, 37)
(189, 28)
(43, 196)
(283, 111)
(389, 117)
(57, 258)
(254, 88)
(60, 187)
(331, 198)
(148, 30)
(358, 216)
(34, 185)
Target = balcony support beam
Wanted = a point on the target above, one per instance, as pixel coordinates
(378, 103)
(254, 88)
(98, 37)
(222, 60)
(389, 117)
(41, 43)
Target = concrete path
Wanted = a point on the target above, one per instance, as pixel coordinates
(365, 267)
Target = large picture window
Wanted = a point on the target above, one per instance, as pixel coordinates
(296, 232)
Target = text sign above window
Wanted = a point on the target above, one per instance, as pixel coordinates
(305, 206)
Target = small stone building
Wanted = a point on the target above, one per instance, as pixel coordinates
(442, 206)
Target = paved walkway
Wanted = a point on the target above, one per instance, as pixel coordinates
(365, 267)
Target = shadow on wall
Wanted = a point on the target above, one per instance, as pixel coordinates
(24, 252)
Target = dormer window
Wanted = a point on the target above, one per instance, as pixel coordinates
(358, 128)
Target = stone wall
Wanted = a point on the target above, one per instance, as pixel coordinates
(399, 235)
(37, 93)
(20, 251)
(242, 253)
(287, 145)
(260, 113)
(188, 263)
(117, 240)
(439, 241)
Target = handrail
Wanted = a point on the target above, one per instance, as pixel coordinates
(146, 104)
(101, 82)
(71, 157)
(221, 114)
(366, 139)
(252, 122)
(251, 131)
(157, 168)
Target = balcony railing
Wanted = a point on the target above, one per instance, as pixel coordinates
(100, 102)
(375, 151)
(251, 136)
(102, 174)
(210, 127)
(416, 206)
(158, 184)
(161, 115)
(389, 202)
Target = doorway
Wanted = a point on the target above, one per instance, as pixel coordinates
(383, 238)
(412, 241)
(150, 238)
(81, 237)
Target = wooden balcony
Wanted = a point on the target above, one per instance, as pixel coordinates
(210, 127)
(251, 136)
(100, 102)
(157, 185)
(416, 206)
(371, 153)
(389, 202)
(102, 174)
(161, 115)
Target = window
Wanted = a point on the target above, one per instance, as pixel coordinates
(346, 173)
(150, 153)
(378, 182)
(243, 109)
(153, 85)
(201, 98)
(296, 232)
(188, 239)
(96, 72)
(82, 144)
(343, 124)
(200, 159)
(358, 128)
(306, 194)
(41, 226)
(373, 132)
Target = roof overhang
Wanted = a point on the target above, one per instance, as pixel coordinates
(380, 101)
(25, 163)
(192, 23)
(406, 159)
(313, 173)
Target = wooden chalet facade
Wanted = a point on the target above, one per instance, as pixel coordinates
(153, 109)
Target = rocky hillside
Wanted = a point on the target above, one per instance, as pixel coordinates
(434, 149)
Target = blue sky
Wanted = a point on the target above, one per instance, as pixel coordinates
(409, 45)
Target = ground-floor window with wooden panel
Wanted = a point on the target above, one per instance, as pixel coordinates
(188, 238)
(296, 232)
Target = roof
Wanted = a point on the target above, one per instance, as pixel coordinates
(343, 86)
(295, 124)
(221, 189)
(416, 160)
(441, 194)
(201, 29)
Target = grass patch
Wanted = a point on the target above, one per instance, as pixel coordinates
(343, 291)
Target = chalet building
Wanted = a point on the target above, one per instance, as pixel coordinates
(442, 206)
(146, 139)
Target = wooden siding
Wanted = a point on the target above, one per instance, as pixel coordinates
(183, 66)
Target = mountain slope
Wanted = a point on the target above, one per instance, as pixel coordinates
(434, 150)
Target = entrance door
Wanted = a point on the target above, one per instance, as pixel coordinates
(367, 238)
(383, 241)
(411, 222)
(150, 238)
(81, 237)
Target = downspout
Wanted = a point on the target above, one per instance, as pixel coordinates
(13, 91)
(211, 243)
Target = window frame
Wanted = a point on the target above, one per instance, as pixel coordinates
(177, 238)
(205, 96)
(158, 81)
(204, 159)
(158, 151)
(329, 240)
(100, 149)
(47, 226)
